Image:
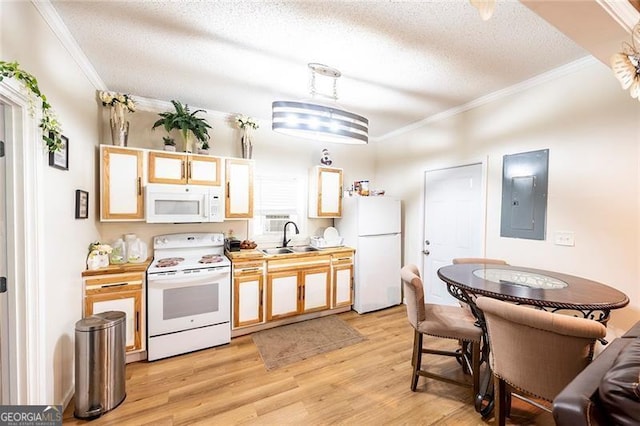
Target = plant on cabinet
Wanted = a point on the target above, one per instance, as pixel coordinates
(186, 122)
(204, 148)
(169, 143)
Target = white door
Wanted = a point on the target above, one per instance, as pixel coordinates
(453, 224)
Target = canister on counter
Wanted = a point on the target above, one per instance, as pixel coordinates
(364, 188)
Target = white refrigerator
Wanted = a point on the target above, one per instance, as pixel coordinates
(371, 225)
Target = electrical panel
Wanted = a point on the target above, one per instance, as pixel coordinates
(524, 195)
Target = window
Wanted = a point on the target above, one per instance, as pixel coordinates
(278, 199)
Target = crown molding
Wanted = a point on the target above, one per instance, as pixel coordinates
(51, 17)
(622, 12)
(492, 97)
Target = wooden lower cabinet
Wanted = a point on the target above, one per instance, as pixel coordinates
(298, 287)
(129, 302)
(276, 290)
(282, 295)
(116, 289)
(248, 307)
(315, 288)
(342, 280)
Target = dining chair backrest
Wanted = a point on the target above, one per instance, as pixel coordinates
(459, 260)
(414, 294)
(537, 351)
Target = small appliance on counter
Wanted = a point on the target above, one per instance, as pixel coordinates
(231, 245)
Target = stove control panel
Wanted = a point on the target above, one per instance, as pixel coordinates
(192, 240)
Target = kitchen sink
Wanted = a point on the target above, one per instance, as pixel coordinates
(302, 249)
(279, 250)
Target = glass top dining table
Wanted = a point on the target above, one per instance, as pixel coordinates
(552, 291)
(548, 290)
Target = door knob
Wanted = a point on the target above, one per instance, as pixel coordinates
(427, 242)
(426, 252)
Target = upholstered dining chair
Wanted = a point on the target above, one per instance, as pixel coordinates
(449, 322)
(534, 351)
(479, 260)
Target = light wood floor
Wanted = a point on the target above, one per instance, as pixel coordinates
(363, 384)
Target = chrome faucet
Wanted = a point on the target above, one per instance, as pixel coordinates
(284, 239)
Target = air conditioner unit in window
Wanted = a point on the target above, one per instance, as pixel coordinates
(275, 222)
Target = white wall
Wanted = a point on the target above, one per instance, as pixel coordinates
(592, 129)
(27, 39)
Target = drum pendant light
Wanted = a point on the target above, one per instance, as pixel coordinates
(319, 120)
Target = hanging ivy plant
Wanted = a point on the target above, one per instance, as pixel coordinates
(51, 130)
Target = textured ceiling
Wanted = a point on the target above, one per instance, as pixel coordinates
(401, 62)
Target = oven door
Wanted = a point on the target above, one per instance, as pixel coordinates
(187, 300)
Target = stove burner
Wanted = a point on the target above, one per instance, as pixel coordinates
(210, 258)
(169, 261)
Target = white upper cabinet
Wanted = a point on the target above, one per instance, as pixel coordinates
(175, 168)
(239, 182)
(121, 174)
(325, 192)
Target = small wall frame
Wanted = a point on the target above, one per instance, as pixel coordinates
(60, 159)
(82, 204)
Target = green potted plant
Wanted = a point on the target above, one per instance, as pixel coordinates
(186, 122)
(204, 148)
(169, 143)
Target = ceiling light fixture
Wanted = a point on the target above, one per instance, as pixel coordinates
(485, 7)
(315, 119)
(626, 64)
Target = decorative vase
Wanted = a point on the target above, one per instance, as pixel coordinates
(188, 137)
(246, 143)
(203, 151)
(119, 133)
(171, 148)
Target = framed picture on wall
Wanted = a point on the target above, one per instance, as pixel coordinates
(60, 159)
(82, 204)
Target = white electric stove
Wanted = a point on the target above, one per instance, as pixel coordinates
(188, 294)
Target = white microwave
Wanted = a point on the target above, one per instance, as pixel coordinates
(167, 203)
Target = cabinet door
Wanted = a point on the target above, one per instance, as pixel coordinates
(203, 170)
(165, 167)
(121, 184)
(247, 307)
(129, 302)
(239, 182)
(325, 192)
(283, 295)
(330, 192)
(315, 289)
(342, 286)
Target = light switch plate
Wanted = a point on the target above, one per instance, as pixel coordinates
(564, 238)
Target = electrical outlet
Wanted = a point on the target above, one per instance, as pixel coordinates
(564, 238)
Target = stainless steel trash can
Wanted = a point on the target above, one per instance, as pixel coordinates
(100, 363)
